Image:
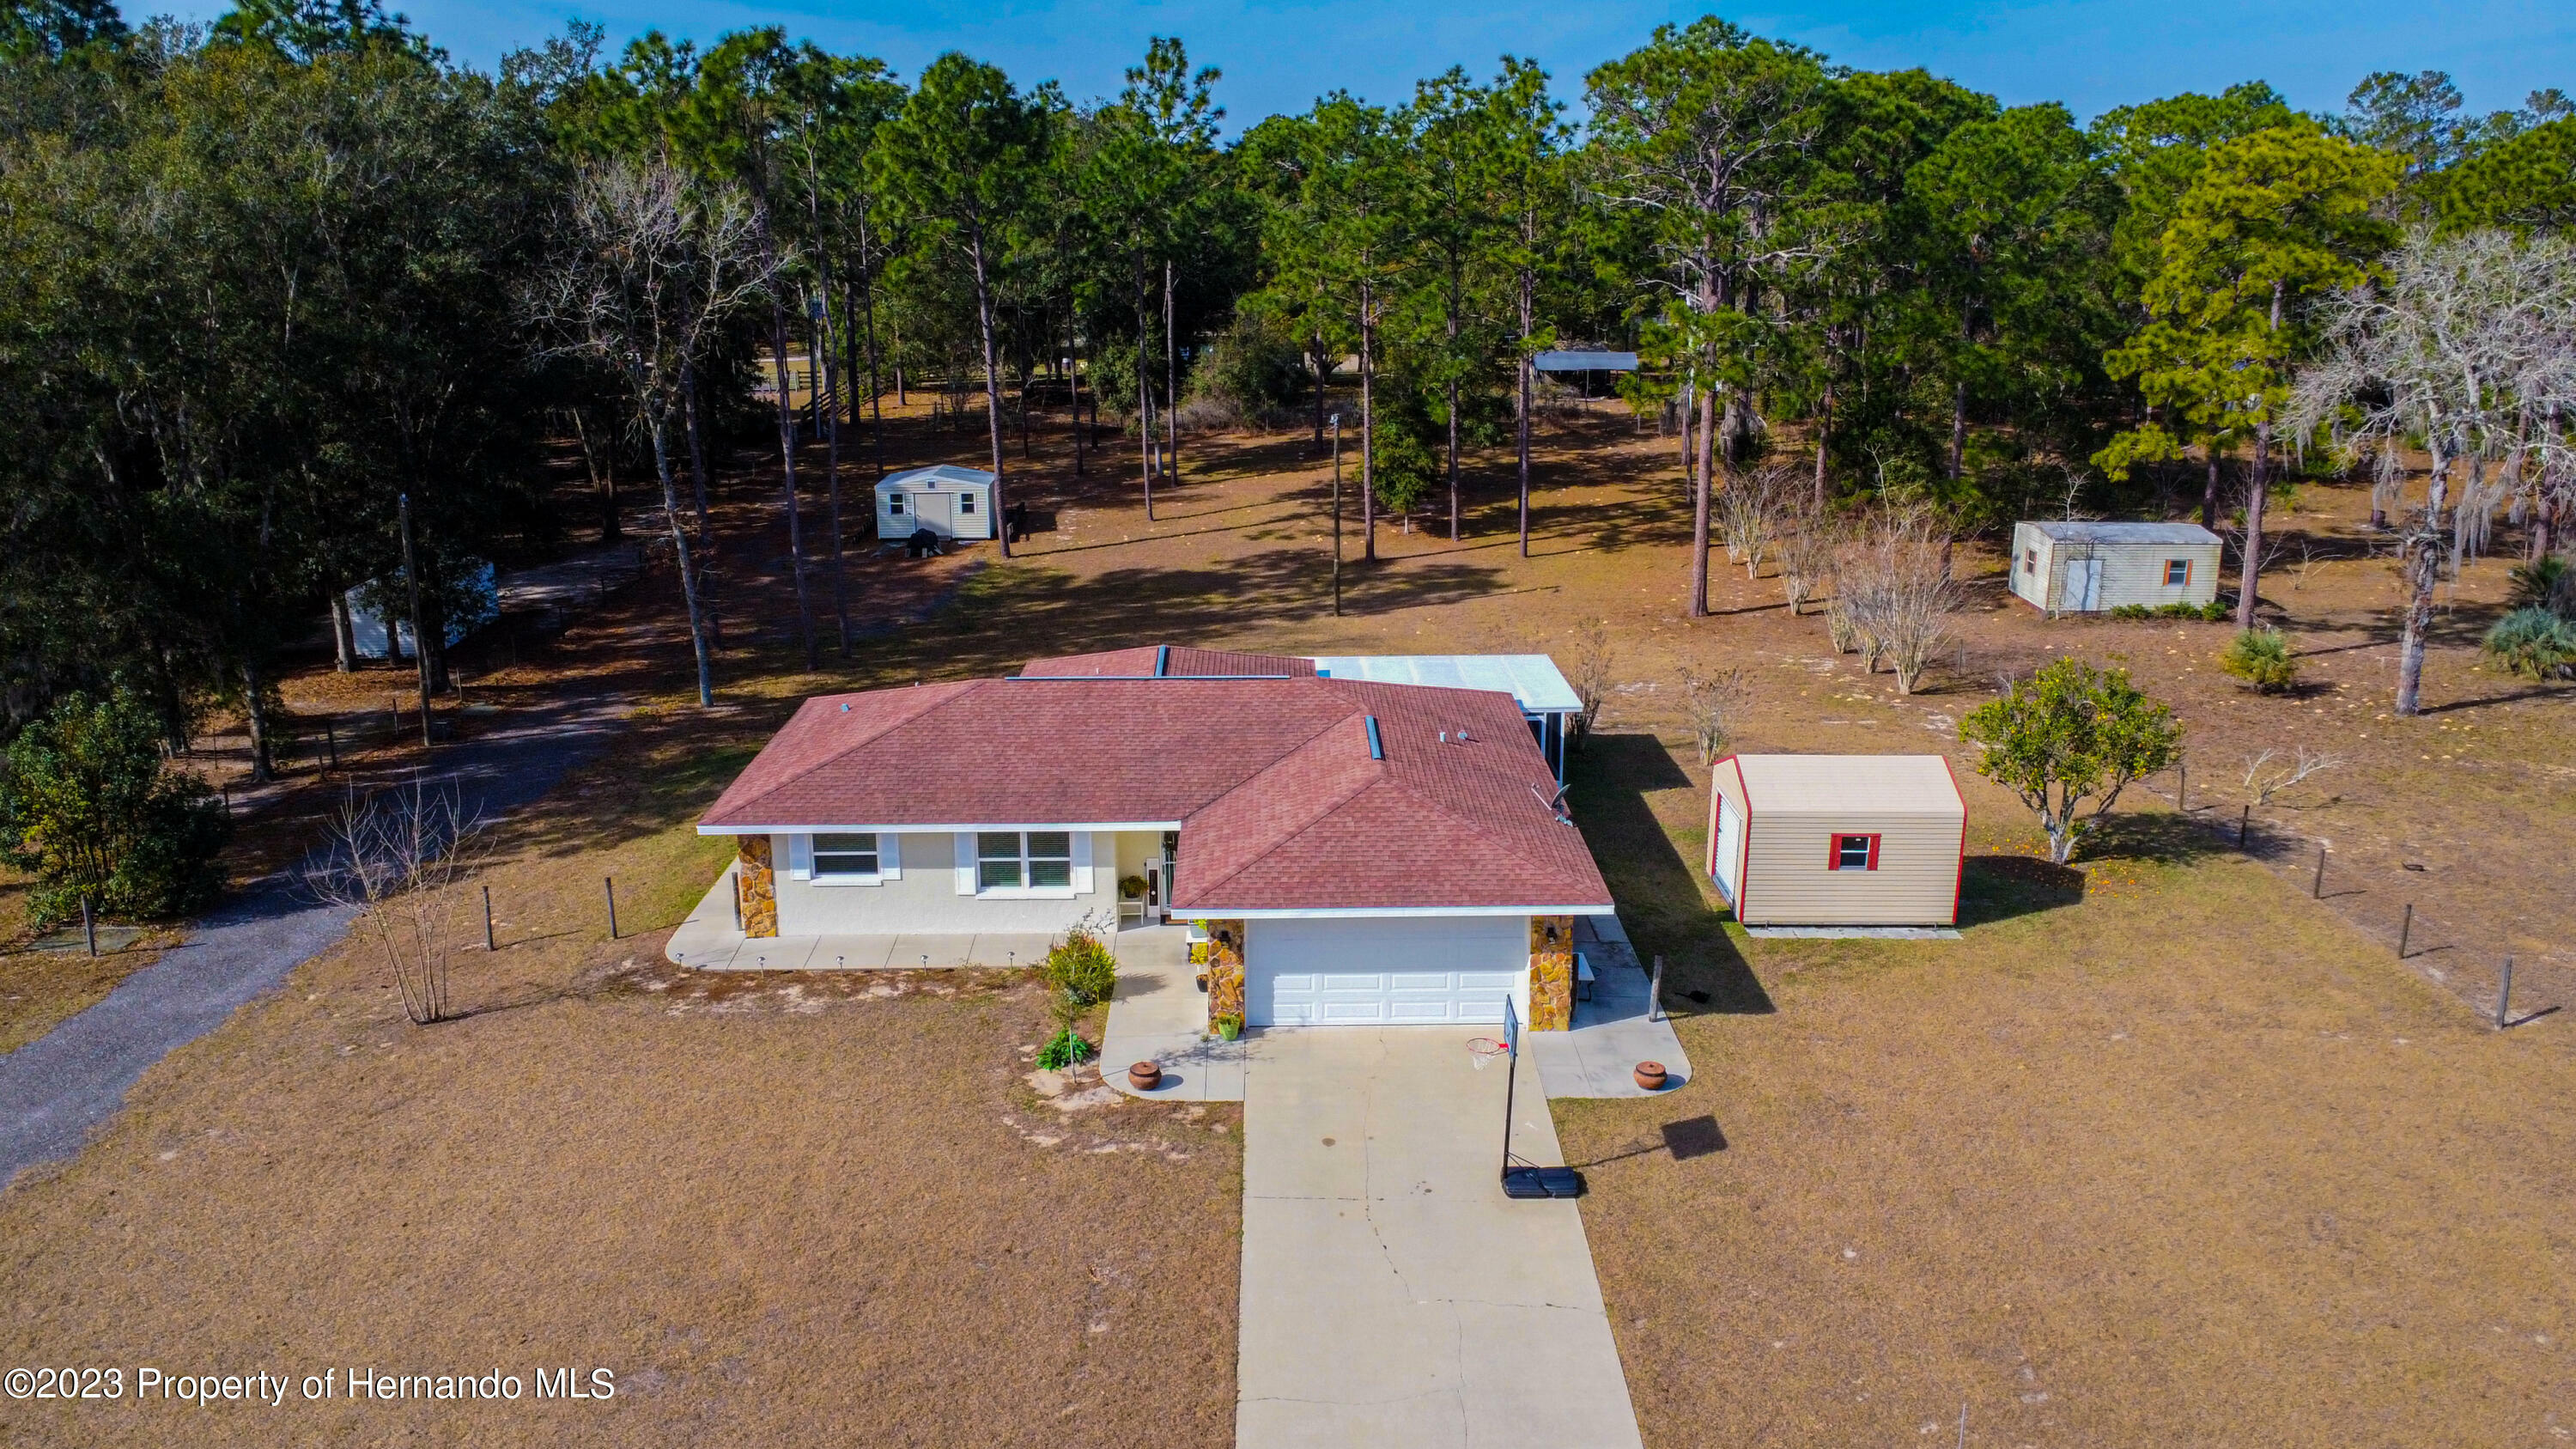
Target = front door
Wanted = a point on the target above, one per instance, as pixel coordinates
(2084, 585)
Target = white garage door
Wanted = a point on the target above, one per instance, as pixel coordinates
(1385, 971)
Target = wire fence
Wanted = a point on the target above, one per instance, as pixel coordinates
(2463, 958)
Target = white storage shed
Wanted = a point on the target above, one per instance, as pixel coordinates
(1838, 840)
(2084, 568)
(949, 500)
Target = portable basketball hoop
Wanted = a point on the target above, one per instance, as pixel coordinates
(1523, 1179)
(1483, 1049)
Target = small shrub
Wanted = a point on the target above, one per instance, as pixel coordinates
(2534, 643)
(2209, 613)
(2261, 657)
(2544, 583)
(1081, 968)
(1065, 1049)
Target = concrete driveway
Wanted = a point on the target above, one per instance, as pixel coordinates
(1391, 1294)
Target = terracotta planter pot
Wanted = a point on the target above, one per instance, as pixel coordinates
(1650, 1075)
(1145, 1076)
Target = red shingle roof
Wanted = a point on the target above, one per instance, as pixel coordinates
(1280, 804)
(1173, 661)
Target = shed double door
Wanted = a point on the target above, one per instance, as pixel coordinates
(2084, 585)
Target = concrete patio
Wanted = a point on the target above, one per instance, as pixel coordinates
(1614, 1029)
(710, 940)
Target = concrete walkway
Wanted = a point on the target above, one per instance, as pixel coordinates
(1160, 1015)
(1391, 1294)
(55, 1089)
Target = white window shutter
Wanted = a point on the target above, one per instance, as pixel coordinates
(965, 862)
(889, 857)
(1082, 862)
(800, 857)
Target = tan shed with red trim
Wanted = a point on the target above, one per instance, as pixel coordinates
(1837, 840)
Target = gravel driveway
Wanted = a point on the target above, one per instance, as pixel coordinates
(57, 1088)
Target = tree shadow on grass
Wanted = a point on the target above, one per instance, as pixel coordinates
(2000, 887)
(2161, 837)
(1660, 897)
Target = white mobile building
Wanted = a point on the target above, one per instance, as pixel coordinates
(949, 500)
(2084, 568)
(1838, 840)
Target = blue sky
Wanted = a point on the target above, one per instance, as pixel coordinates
(1279, 54)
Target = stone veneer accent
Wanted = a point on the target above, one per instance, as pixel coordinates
(758, 885)
(1551, 973)
(1222, 954)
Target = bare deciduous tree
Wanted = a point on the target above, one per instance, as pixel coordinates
(1804, 544)
(2267, 774)
(1747, 513)
(1894, 581)
(652, 264)
(396, 857)
(1711, 703)
(1594, 657)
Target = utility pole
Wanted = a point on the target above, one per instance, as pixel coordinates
(1337, 514)
(419, 640)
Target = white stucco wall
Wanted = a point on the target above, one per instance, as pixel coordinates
(925, 900)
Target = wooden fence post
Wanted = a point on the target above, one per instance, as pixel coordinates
(2504, 994)
(610, 882)
(2405, 929)
(2317, 890)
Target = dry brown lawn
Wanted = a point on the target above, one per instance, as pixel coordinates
(782, 1209)
(2180, 1156)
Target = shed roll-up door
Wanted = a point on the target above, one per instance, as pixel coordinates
(1384, 971)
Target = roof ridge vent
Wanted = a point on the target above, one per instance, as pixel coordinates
(1377, 746)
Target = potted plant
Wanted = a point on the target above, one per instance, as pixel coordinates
(1131, 887)
(1228, 1026)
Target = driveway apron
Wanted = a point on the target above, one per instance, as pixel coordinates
(1391, 1294)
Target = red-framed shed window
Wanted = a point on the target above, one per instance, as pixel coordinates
(2177, 572)
(1853, 852)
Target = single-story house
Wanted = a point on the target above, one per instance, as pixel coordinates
(949, 500)
(1838, 840)
(1353, 850)
(2085, 568)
